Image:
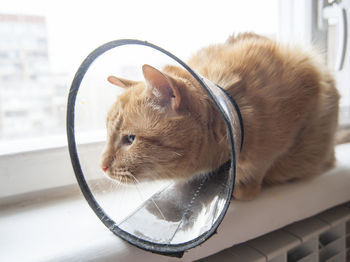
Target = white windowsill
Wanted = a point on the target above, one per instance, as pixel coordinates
(44, 163)
(64, 228)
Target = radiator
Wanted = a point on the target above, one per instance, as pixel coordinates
(324, 237)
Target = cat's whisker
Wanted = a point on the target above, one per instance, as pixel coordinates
(222, 139)
(126, 180)
(137, 188)
(177, 153)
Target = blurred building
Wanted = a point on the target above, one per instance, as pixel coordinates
(30, 96)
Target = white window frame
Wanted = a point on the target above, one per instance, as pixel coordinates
(299, 21)
(40, 169)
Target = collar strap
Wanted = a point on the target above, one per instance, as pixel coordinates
(238, 114)
(228, 107)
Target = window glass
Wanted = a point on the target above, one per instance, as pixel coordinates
(42, 43)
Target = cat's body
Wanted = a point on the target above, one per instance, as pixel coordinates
(288, 102)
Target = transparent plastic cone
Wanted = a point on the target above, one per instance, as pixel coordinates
(164, 212)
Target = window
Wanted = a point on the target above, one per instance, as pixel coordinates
(43, 43)
(322, 24)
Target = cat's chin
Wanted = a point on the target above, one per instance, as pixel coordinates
(123, 179)
(120, 179)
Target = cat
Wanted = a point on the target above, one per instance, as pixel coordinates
(168, 127)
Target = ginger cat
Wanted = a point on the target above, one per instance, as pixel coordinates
(167, 127)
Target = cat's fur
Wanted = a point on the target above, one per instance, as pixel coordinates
(287, 99)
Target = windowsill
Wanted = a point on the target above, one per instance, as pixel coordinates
(60, 228)
(45, 164)
(50, 230)
(58, 225)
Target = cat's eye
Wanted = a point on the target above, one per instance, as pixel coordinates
(129, 139)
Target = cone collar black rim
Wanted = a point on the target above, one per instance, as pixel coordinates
(165, 249)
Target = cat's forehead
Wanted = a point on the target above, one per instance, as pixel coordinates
(121, 104)
(114, 118)
(128, 110)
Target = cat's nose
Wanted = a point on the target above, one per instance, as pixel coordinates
(106, 162)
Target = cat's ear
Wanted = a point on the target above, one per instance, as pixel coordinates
(162, 87)
(121, 82)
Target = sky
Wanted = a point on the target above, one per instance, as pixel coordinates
(76, 27)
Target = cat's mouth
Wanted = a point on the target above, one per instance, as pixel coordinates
(122, 176)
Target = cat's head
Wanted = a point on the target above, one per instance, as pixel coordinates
(154, 129)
